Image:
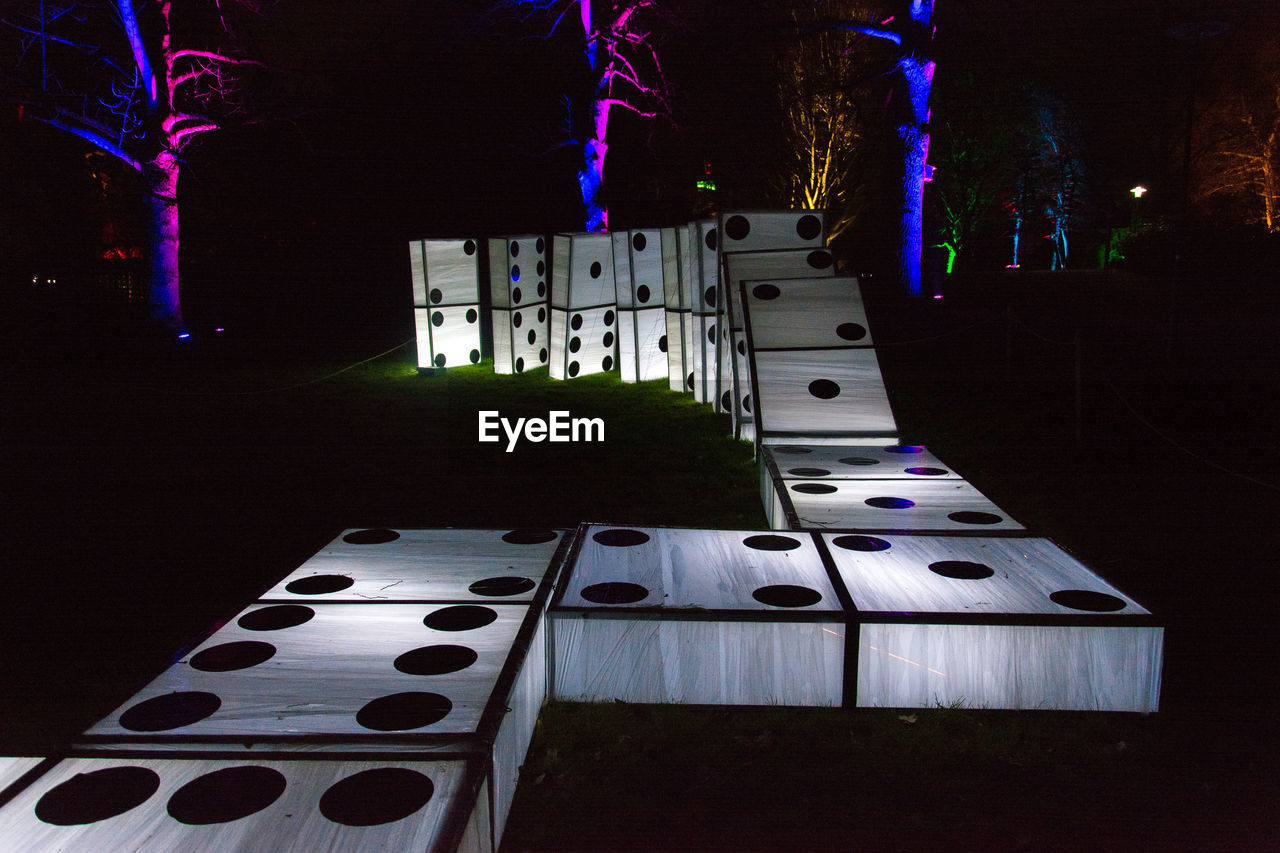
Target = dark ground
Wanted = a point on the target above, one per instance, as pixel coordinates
(152, 491)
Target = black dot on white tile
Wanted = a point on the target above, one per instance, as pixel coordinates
(890, 503)
(497, 587)
(439, 360)
(824, 389)
(643, 294)
(529, 537)
(400, 712)
(737, 227)
(711, 239)
(620, 537)
(276, 617)
(974, 517)
(607, 340)
(866, 544)
(905, 449)
(819, 260)
(606, 363)
(808, 472)
(1087, 599)
(922, 471)
(766, 292)
(437, 294)
(771, 542)
(790, 450)
(615, 592)
(574, 367)
(319, 584)
(662, 344)
(858, 460)
(540, 246)
(515, 248)
(596, 269)
(517, 320)
(575, 344)
(469, 247)
(460, 617)
(437, 319)
(814, 488)
(226, 795)
(608, 318)
(961, 570)
(726, 400)
(435, 660)
(170, 711)
(808, 227)
(378, 796)
(97, 795)
(520, 365)
(851, 331)
(371, 536)
(472, 315)
(787, 595)
(228, 657)
(638, 242)
(709, 296)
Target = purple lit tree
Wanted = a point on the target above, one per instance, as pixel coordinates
(619, 41)
(141, 81)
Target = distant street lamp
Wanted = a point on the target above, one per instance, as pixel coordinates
(1138, 191)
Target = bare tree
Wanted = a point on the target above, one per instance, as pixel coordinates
(820, 81)
(141, 81)
(1245, 164)
(619, 42)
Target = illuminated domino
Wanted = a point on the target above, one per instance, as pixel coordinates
(518, 291)
(584, 323)
(638, 259)
(446, 301)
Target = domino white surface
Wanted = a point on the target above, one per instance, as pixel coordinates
(583, 341)
(330, 675)
(12, 768)
(705, 569)
(582, 271)
(423, 565)
(806, 312)
(808, 391)
(448, 336)
(102, 805)
(872, 459)
(950, 505)
(518, 291)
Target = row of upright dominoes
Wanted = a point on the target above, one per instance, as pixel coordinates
(649, 303)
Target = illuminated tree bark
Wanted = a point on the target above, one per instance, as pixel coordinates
(619, 43)
(911, 30)
(111, 73)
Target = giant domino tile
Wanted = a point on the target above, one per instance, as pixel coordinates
(518, 293)
(677, 301)
(818, 378)
(755, 231)
(584, 307)
(639, 263)
(776, 266)
(382, 644)
(446, 301)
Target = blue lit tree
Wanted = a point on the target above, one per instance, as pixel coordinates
(618, 40)
(910, 31)
(141, 81)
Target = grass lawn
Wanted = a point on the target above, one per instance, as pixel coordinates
(151, 497)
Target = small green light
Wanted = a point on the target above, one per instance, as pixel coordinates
(706, 186)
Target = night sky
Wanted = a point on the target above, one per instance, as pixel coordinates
(397, 120)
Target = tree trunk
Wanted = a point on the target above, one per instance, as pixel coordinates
(161, 178)
(913, 136)
(591, 176)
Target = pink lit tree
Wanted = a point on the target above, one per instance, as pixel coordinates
(619, 41)
(140, 80)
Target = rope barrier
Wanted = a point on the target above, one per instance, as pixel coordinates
(971, 326)
(1178, 446)
(316, 381)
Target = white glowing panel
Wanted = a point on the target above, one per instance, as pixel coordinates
(377, 565)
(299, 804)
(835, 391)
(993, 622)
(446, 301)
(703, 616)
(740, 267)
(519, 289)
(349, 671)
(583, 305)
(583, 341)
(679, 327)
(900, 504)
(787, 313)
(14, 768)
(642, 323)
(701, 283)
(872, 458)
